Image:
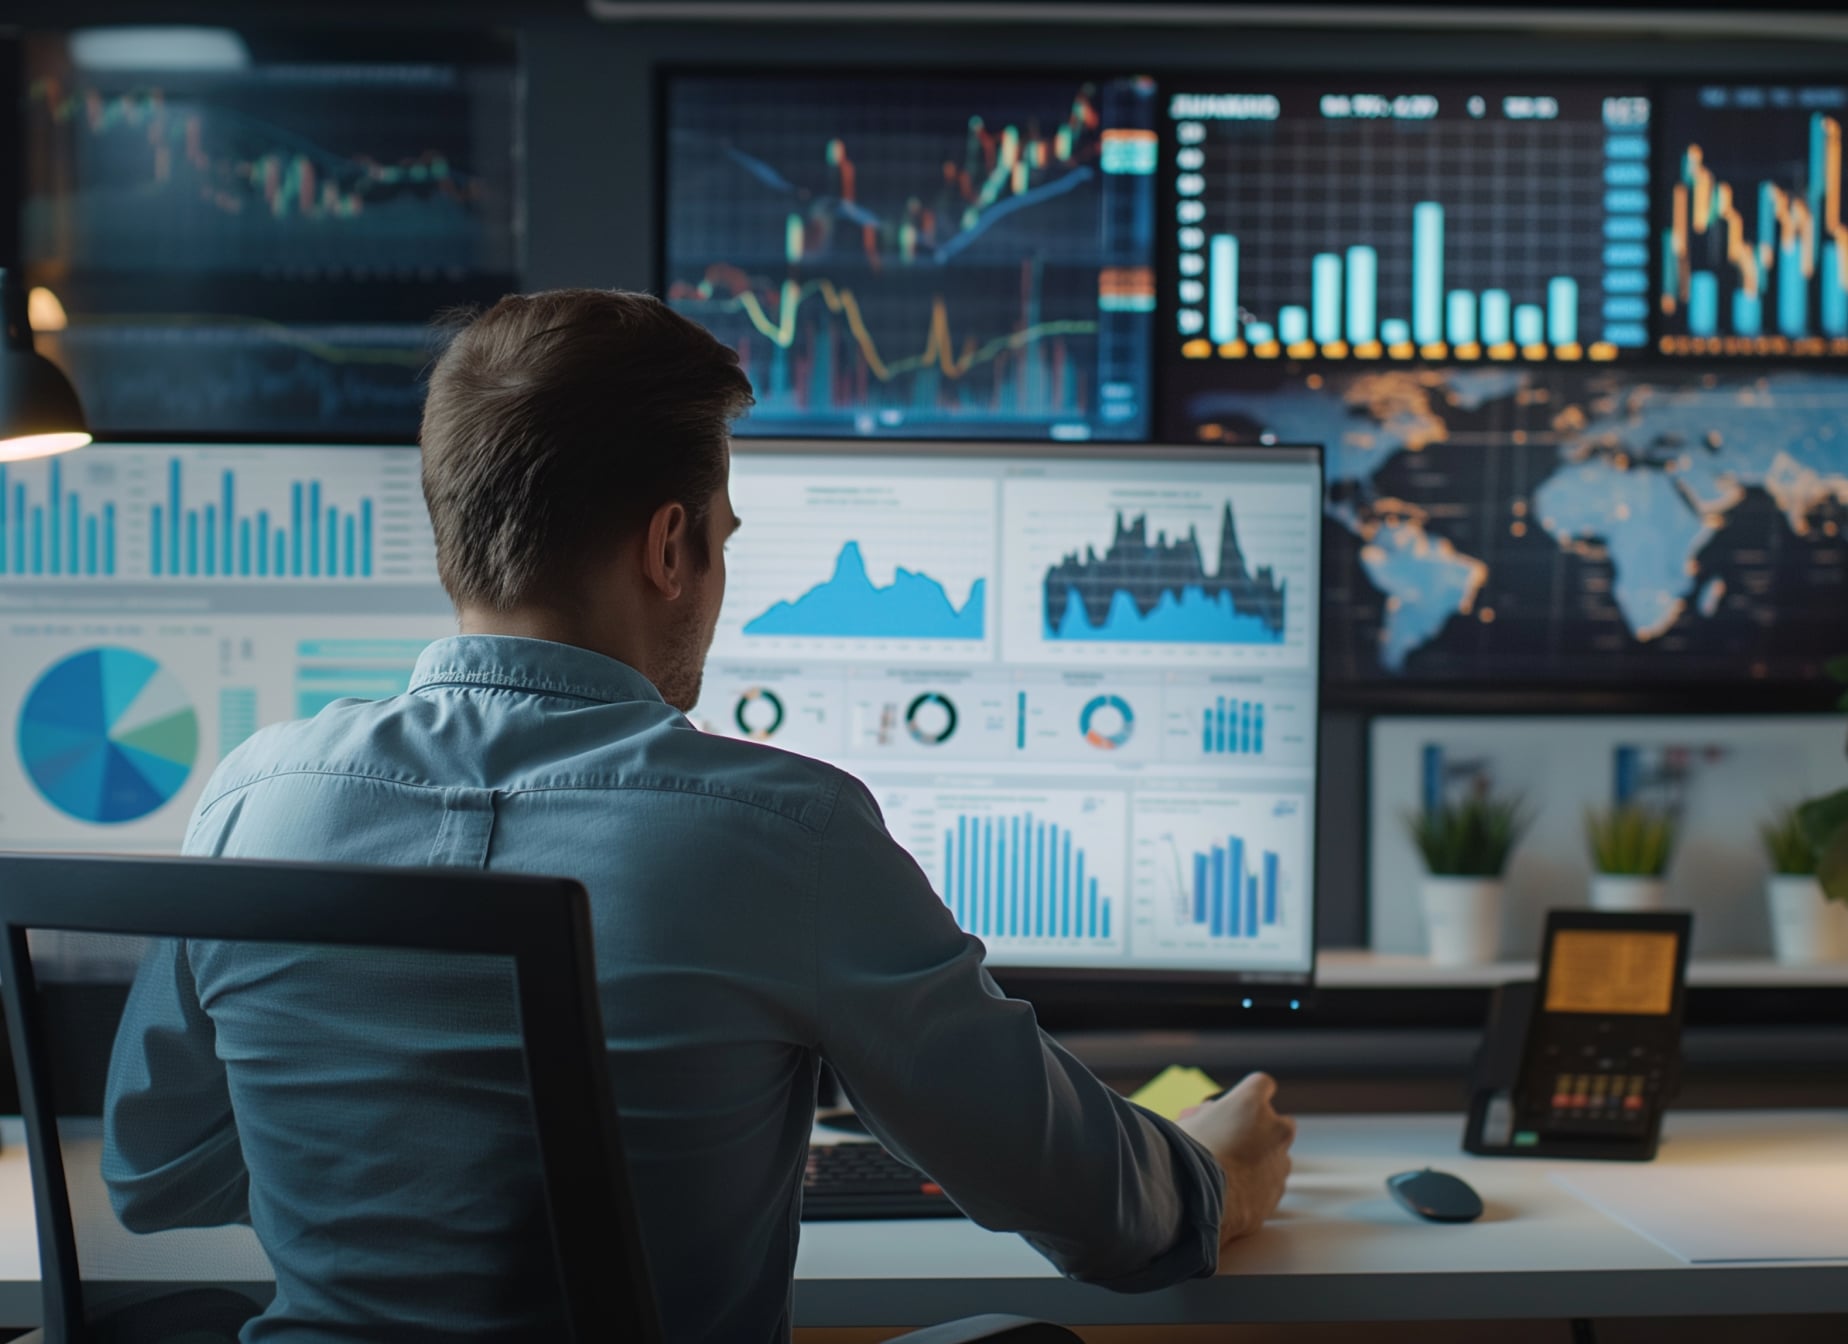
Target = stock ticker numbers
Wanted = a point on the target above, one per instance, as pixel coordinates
(258, 246)
(951, 257)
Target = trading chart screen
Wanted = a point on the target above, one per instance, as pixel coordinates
(903, 255)
(1080, 683)
(1754, 247)
(1367, 222)
(253, 237)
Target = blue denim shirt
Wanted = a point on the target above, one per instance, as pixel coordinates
(752, 918)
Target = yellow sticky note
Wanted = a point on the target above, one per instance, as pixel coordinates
(1173, 1090)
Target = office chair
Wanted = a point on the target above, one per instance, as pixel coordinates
(202, 1284)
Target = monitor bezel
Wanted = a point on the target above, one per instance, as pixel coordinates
(1290, 990)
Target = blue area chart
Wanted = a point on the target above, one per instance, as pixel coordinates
(108, 736)
(1161, 592)
(850, 606)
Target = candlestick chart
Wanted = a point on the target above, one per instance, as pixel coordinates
(962, 257)
(325, 205)
(1755, 248)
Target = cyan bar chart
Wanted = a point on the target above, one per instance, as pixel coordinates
(1233, 728)
(1317, 225)
(1235, 889)
(314, 539)
(53, 531)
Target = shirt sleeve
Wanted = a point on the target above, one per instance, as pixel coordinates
(171, 1156)
(959, 1079)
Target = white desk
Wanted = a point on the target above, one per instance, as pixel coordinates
(1339, 1250)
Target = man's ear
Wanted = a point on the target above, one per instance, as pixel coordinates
(666, 557)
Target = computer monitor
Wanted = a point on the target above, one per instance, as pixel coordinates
(248, 231)
(1080, 680)
(941, 254)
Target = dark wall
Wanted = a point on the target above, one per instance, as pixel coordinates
(591, 170)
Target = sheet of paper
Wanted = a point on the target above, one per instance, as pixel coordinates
(1173, 1090)
(1709, 1215)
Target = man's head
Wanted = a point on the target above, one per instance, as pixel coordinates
(575, 457)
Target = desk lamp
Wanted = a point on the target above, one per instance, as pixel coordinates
(39, 411)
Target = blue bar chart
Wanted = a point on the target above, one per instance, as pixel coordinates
(1373, 244)
(49, 529)
(1233, 727)
(1021, 876)
(314, 538)
(1221, 875)
(1234, 889)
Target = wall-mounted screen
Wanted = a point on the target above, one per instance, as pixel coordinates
(1080, 681)
(939, 256)
(1754, 244)
(1355, 220)
(1533, 527)
(241, 234)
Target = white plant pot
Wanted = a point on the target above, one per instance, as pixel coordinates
(1462, 919)
(1805, 928)
(1620, 891)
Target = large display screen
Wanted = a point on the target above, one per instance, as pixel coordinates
(241, 234)
(1081, 682)
(1546, 526)
(1361, 220)
(1754, 244)
(935, 255)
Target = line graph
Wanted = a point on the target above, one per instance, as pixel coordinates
(969, 256)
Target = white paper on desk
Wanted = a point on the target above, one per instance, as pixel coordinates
(1726, 1214)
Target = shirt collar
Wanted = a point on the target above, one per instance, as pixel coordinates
(529, 665)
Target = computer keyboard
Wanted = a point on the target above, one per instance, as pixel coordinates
(863, 1180)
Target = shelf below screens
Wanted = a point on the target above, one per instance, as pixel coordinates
(1601, 351)
(1361, 969)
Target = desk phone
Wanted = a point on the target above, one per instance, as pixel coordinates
(1583, 1063)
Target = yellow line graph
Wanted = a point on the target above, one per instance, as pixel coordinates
(939, 348)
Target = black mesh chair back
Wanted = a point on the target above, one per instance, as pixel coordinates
(477, 1000)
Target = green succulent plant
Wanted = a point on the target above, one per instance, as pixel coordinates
(1825, 822)
(1630, 840)
(1788, 845)
(1470, 838)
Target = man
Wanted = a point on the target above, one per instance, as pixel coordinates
(752, 917)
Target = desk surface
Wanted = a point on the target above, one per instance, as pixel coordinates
(1339, 1249)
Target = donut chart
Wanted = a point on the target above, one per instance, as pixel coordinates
(108, 735)
(1107, 722)
(758, 714)
(931, 719)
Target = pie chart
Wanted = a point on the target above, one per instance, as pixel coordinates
(108, 735)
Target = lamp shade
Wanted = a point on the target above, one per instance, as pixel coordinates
(39, 411)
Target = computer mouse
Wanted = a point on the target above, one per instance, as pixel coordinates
(1436, 1196)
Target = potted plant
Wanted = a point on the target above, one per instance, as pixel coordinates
(1805, 925)
(1630, 848)
(1825, 823)
(1465, 846)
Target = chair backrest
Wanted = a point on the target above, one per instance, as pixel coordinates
(52, 907)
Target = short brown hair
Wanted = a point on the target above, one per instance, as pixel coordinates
(557, 424)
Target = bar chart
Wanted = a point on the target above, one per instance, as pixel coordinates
(1034, 872)
(313, 539)
(1221, 876)
(1448, 223)
(1755, 252)
(49, 529)
(1233, 727)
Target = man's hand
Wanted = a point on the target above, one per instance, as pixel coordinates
(1252, 1143)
